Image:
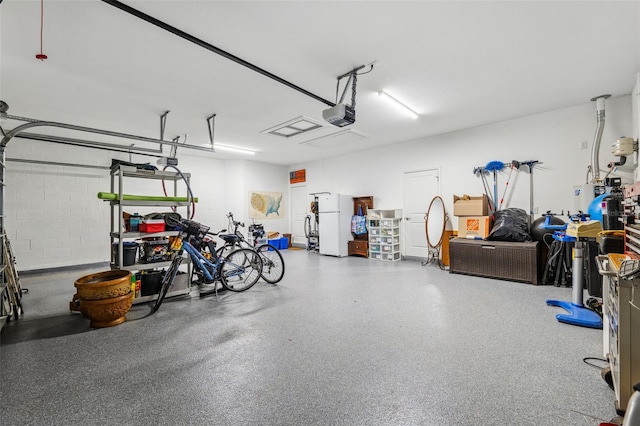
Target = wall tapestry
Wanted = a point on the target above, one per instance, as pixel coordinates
(266, 205)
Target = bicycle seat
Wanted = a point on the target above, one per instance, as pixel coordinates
(230, 238)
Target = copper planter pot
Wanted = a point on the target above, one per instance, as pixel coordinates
(103, 285)
(104, 297)
(106, 312)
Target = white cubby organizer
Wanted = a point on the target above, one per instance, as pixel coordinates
(384, 234)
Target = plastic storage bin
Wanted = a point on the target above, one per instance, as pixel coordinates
(155, 251)
(275, 243)
(284, 243)
(150, 282)
(129, 253)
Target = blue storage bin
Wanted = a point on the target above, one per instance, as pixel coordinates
(275, 243)
(284, 243)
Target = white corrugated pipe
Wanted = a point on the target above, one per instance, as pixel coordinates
(595, 154)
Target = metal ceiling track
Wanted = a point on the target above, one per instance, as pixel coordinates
(30, 123)
(150, 19)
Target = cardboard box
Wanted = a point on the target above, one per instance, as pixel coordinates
(470, 206)
(474, 226)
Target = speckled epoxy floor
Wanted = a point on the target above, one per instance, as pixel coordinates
(340, 341)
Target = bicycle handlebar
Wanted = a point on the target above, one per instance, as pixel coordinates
(230, 217)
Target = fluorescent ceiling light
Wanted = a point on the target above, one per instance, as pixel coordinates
(397, 103)
(231, 149)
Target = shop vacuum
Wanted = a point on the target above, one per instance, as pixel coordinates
(612, 218)
(610, 204)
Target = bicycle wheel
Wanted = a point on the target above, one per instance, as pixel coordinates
(167, 280)
(272, 263)
(241, 269)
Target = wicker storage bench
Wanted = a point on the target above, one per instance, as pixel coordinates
(502, 260)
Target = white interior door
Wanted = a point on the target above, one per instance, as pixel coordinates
(299, 208)
(419, 188)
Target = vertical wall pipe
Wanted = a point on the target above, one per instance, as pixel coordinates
(595, 153)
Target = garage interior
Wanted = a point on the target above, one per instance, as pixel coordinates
(272, 109)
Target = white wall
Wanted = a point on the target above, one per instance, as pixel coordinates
(261, 177)
(553, 138)
(244, 177)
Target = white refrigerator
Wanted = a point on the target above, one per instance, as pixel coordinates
(334, 223)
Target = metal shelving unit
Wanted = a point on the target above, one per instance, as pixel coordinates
(30, 123)
(10, 287)
(621, 313)
(621, 322)
(119, 236)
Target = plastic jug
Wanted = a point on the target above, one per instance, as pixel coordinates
(134, 222)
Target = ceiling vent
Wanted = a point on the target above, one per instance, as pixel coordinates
(294, 127)
(342, 137)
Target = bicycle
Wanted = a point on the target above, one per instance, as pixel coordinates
(272, 260)
(237, 271)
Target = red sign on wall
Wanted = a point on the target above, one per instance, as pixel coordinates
(297, 176)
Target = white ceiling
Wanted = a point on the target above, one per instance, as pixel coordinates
(458, 64)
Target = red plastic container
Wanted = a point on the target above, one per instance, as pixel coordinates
(152, 225)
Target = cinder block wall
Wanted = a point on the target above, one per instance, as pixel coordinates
(54, 218)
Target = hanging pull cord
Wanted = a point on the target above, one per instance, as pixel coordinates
(41, 55)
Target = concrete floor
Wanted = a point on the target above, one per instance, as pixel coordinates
(340, 341)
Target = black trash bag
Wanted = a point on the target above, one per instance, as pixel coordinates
(510, 225)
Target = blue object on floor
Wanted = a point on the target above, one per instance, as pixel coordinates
(284, 243)
(578, 315)
(563, 238)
